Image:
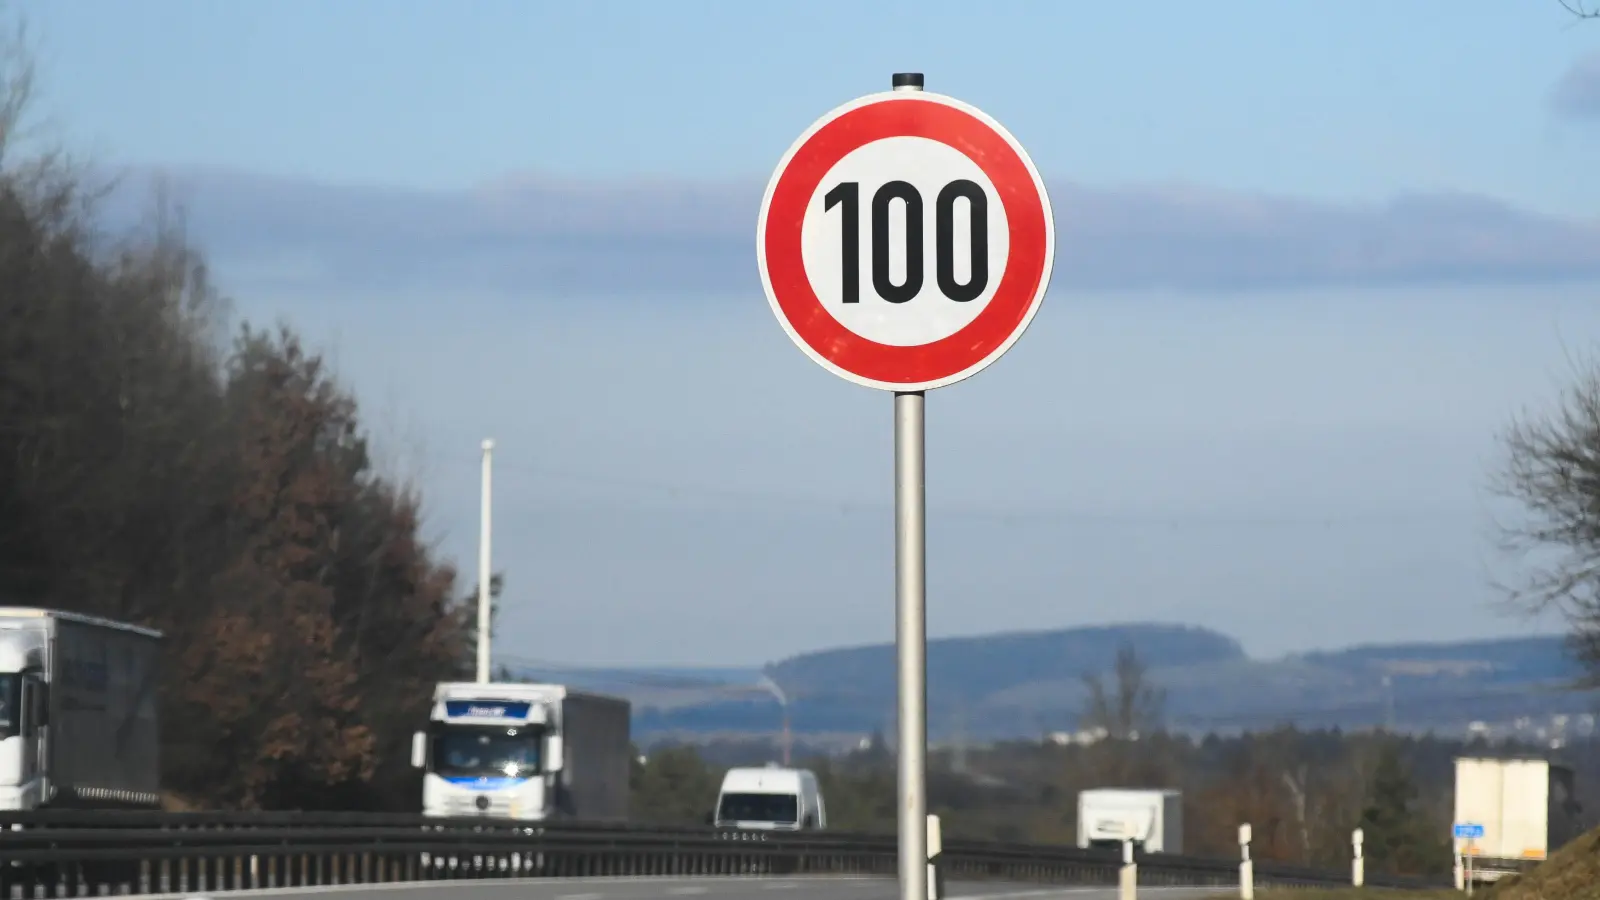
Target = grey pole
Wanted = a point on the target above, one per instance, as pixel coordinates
(485, 602)
(911, 631)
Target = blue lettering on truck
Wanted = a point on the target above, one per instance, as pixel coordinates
(482, 709)
(485, 784)
(85, 674)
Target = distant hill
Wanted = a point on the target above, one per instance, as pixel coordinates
(1031, 683)
(975, 667)
(661, 687)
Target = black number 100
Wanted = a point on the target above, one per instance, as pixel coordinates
(848, 195)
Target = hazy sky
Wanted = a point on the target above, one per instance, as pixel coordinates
(1311, 258)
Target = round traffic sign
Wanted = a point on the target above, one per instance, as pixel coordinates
(905, 241)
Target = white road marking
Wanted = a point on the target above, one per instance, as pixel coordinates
(580, 897)
(780, 886)
(683, 891)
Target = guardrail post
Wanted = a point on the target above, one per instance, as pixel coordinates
(1247, 869)
(935, 864)
(1128, 876)
(1358, 862)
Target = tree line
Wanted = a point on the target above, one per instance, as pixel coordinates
(1302, 792)
(163, 467)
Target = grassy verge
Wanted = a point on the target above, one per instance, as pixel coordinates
(1571, 873)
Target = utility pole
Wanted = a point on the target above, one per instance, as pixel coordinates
(1388, 704)
(484, 573)
(958, 761)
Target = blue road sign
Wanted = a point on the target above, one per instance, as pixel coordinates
(1466, 831)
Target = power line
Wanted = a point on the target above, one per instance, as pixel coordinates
(1015, 517)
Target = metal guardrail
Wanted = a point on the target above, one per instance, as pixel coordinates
(78, 854)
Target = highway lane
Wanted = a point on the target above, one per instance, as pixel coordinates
(724, 888)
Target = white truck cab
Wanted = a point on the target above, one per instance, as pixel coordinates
(771, 799)
(524, 751)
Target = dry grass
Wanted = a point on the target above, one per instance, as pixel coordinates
(1571, 873)
(172, 801)
(1352, 894)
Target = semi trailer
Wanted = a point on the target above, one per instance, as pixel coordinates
(1152, 820)
(1519, 811)
(78, 712)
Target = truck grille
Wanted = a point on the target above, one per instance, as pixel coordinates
(469, 805)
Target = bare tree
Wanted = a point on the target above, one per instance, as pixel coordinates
(1581, 9)
(1552, 472)
(1132, 706)
(16, 83)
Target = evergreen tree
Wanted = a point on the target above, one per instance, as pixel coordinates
(1396, 834)
(673, 786)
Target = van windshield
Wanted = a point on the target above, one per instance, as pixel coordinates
(782, 809)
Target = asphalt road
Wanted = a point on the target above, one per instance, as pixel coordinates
(725, 888)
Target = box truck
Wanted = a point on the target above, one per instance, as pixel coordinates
(78, 720)
(1151, 819)
(1520, 809)
(525, 751)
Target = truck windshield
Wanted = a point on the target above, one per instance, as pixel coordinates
(778, 808)
(10, 705)
(478, 752)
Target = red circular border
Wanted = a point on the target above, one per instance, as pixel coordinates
(1007, 310)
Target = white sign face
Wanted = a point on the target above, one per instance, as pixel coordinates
(905, 241)
(944, 291)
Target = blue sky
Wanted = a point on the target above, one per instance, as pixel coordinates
(1311, 257)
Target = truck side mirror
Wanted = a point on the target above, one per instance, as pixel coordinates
(419, 750)
(28, 711)
(41, 699)
(553, 761)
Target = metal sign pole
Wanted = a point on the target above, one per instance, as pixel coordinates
(911, 617)
(817, 287)
(910, 557)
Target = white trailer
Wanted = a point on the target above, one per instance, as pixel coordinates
(78, 712)
(1525, 807)
(525, 751)
(1151, 819)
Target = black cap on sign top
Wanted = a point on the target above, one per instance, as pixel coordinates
(908, 79)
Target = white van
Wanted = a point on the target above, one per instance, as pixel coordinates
(772, 798)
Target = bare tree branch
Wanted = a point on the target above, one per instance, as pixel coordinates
(1137, 705)
(1580, 9)
(17, 75)
(1552, 474)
